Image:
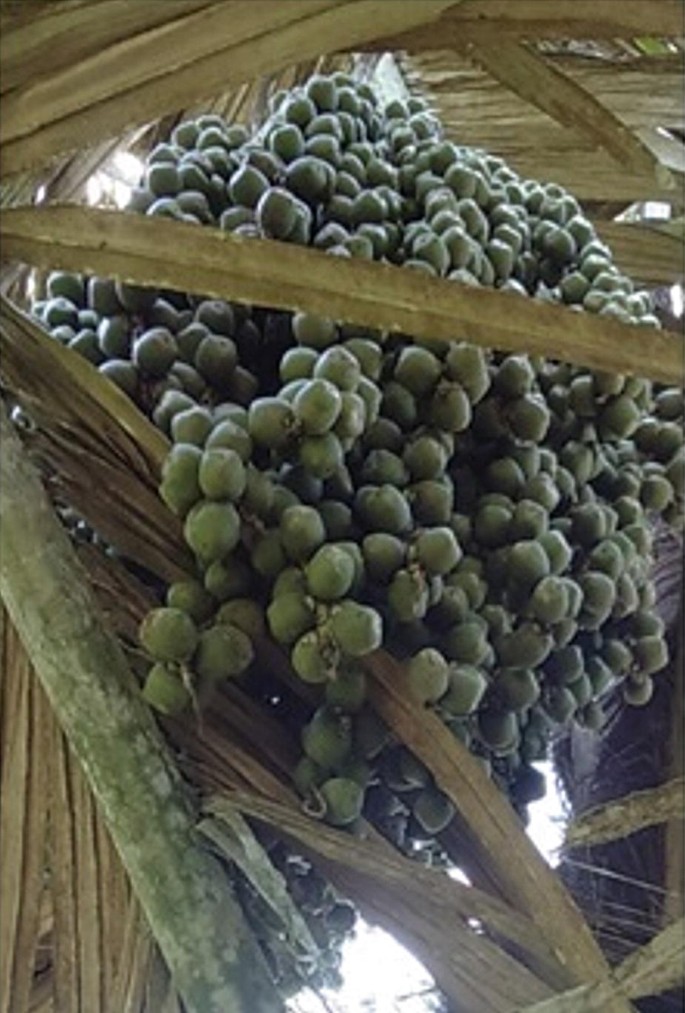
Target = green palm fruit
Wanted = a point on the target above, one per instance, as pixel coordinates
(506, 476)
(466, 643)
(352, 419)
(383, 555)
(646, 624)
(317, 406)
(467, 685)
(247, 185)
(217, 316)
(399, 405)
(228, 578)
(308, 775)
(171, 402)
(122, 373)
(336, 518)
(311, 658)
(356, 629)
(65, 285)
(290, 615)
(583, 690)
(638, 692)
(650, 654)
(530, 519)
(450, 408)
(271, 422)
(216, 359)
(591, 716)
(588, 524)
(321, 456)
(180, 487)
(340, 367)
(267, 556)
(222, 474)
(549, 601)
(565, 664)
(491, 525)
(607, 558)
(471, 582)
(191, 597)
(515, 377)
(330, 573)
(327, 738)
(498, 729)
(155, 351)
(559, 703)
(114, 337)
(527, 563)
(193, 425)
(245, 614)
(518, 688)
(619, 418)
(383, 508)
(276, 212)
(408, 595)
(383, 467)
(427, 676)
(599, 595)
(229, 435)
(437, 550)
(223, 652)
(344, 799)
(162, 179)
(297, 363)
(347, 691)
(425, 457)
(212, 530)
(418, 370)
(309, 177)
(102, 297)
(525, 647)
(433, 810)
(368, 354)
(432, 501)
(528, 418)
(656, 492)
(617, 655)
(164, 690)
(287, 142)
(302, 532)
(168, 634)
(542, 490)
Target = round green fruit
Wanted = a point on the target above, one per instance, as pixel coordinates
(223, 652)
(168, 634)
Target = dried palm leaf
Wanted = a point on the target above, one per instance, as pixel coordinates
(134, 77)
(627, 815)
(267, 273)
(24, 714)
(654, 968)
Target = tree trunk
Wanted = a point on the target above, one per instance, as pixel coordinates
(216, 965)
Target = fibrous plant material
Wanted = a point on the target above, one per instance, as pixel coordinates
(185, 894)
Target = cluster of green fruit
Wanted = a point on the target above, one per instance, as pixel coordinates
(485, 517)
(150, 343)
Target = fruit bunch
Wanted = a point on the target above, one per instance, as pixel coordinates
(486, 518)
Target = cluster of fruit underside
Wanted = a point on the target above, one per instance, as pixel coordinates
(486, 518)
